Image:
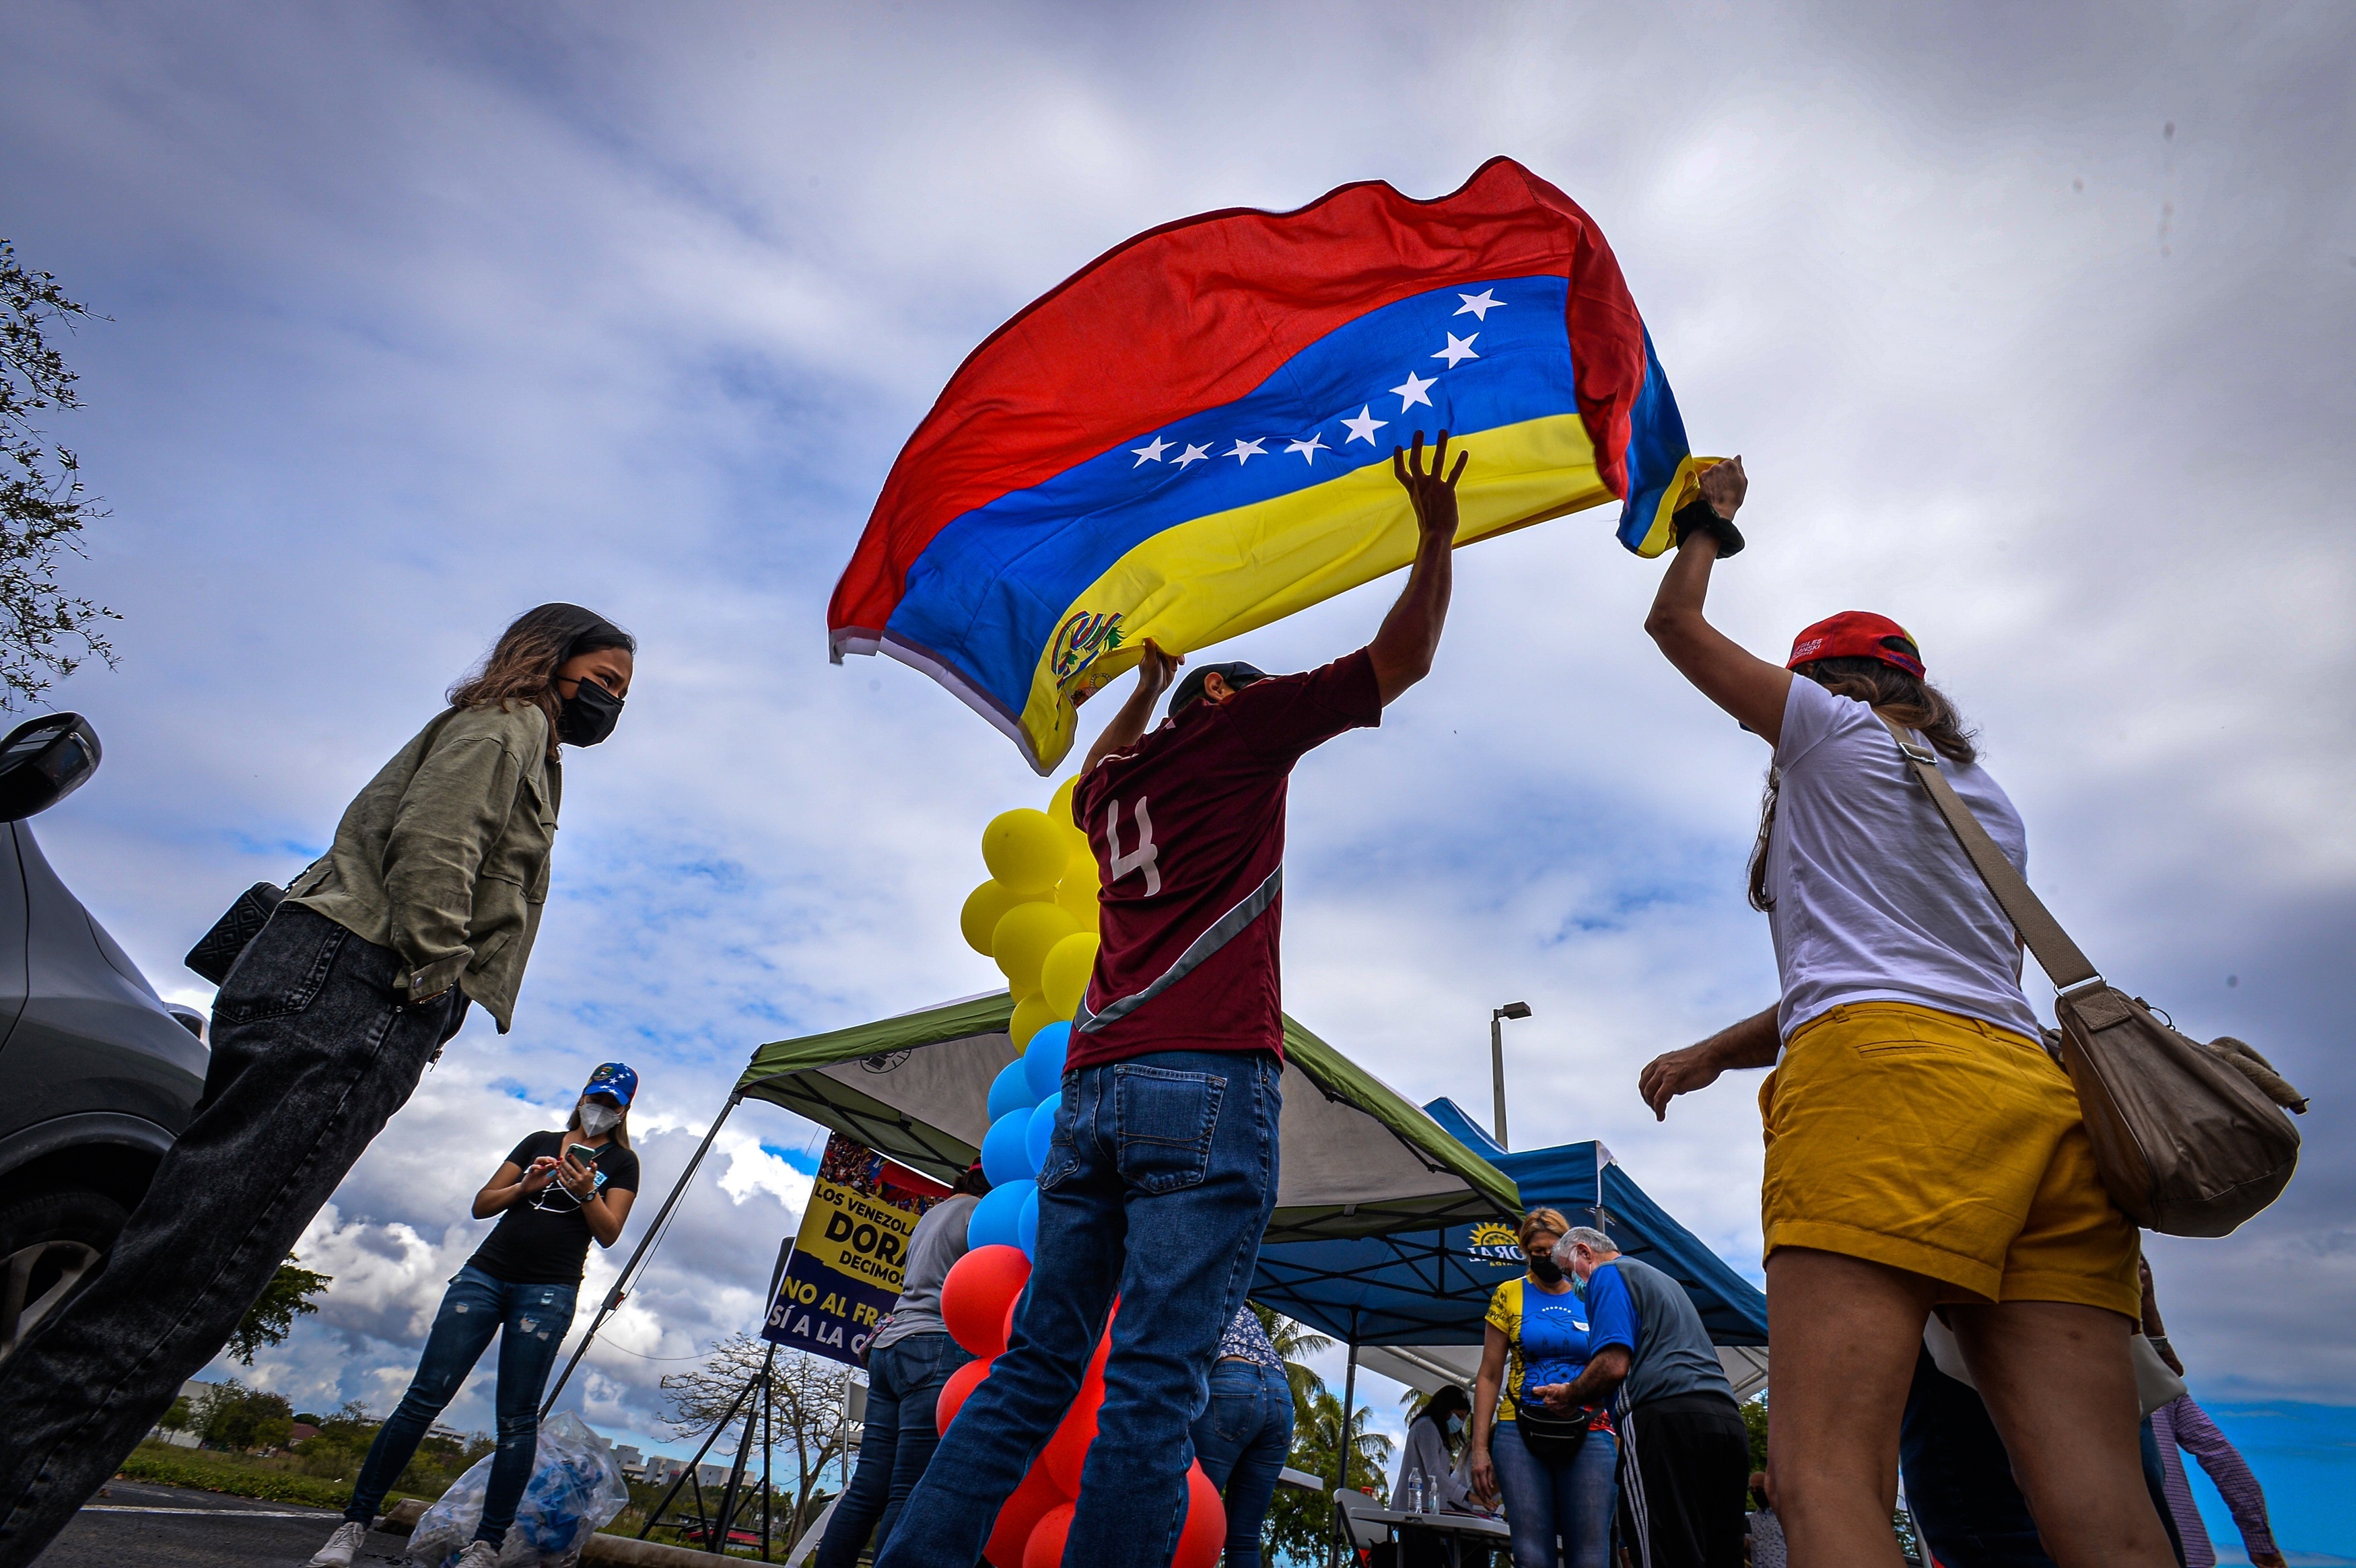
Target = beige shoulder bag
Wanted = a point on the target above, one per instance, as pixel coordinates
(2191, 1139)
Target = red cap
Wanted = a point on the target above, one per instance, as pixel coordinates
(1857, 634)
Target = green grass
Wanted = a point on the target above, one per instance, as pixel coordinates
(234, 1474)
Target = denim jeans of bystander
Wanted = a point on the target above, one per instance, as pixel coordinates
(1159, 1182)
(313, 1051)
(531, 1321)
(1242, 1438)
(904, 1385)
(1573, 1500)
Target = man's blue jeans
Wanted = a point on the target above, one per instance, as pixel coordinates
(1542, 1500)
(1158, 1186)
(1242, 1438)
(904, 1385)
(531, 1321)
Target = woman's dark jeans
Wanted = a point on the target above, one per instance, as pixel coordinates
(1959, 1480)
(1242, 1438)
(531, 1321)
(313, 1050)
(904, 1385)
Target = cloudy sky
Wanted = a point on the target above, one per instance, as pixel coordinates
(2031, 322)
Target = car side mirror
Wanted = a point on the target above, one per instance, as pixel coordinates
(43, 761)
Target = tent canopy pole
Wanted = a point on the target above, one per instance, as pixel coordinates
(614, 1297)
(1342, 1469)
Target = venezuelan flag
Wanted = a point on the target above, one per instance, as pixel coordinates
(1191, 437)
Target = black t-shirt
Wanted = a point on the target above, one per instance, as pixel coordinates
(542, 1239)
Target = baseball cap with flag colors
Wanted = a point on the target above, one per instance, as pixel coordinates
(1856, 635)
(613, 1078)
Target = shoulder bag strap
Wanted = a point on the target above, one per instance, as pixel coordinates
(2059, 956)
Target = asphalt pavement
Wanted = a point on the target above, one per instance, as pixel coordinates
(134, 1524)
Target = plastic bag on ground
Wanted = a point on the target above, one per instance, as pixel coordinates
(576, 1486)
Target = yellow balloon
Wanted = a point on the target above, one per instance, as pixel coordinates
(1025, 935)
(1064, 977)
(1031, 1015)
(984, 907)
(1059, 804)
(1075, 895)
(1023, 850)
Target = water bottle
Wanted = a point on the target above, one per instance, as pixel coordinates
(1415, 1493)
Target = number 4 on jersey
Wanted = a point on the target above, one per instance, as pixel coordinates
(1144, 858)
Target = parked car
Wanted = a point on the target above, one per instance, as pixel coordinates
(100, 1072)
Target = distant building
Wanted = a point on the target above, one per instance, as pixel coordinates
(195, 1393)
(633, 1463)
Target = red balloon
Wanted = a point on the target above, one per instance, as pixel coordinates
(1205, 1530)
(975, 1296)
(1008, 1336)
(1067, 1451)
(955, 1391)
(1045, 1549)
(1018, 1515)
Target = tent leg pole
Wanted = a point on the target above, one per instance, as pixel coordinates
(1342, 1469)
(614, 1298)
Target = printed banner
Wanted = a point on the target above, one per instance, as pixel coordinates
(1168, 445)
(844, 1273)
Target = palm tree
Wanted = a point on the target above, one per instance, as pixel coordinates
(1293, 1341)
(1297, 1523)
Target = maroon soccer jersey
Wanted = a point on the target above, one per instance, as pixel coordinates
(1188, 829)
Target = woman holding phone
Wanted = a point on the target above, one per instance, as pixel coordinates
(554, 1192)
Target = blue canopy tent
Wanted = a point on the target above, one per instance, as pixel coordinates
(1413, 1299)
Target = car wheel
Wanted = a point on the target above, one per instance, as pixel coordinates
(48, 1245)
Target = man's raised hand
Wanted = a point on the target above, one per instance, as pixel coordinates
(1155, 669)
(1723, 485)
(1434, 499)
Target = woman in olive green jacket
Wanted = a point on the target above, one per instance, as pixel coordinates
(428, 901)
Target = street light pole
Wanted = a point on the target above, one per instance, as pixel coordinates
(1497, 1057)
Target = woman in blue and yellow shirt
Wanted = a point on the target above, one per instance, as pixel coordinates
(1554, 1467)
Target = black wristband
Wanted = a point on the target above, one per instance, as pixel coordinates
(1696, 514)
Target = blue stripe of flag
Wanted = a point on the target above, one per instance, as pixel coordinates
(989, 591)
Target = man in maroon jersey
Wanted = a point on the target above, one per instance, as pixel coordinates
(1163, 1169)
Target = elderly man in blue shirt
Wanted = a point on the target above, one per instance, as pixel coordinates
(1684, 1454)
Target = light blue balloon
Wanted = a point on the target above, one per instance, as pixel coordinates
(1011, 1090)
(1027, 1228)
(1005, 1156)
(996, 1221)
(1043, 1130)
(1043, 1063)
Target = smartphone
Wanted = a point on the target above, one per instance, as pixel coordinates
(583, 1154)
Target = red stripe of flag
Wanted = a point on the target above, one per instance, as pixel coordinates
(1199, 312)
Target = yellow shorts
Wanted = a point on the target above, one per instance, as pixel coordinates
(1945, 1147)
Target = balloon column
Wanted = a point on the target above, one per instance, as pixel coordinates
(1036, 916)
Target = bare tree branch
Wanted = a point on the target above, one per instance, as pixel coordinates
(45, 633)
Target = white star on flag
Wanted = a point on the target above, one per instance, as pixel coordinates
(1191, 454)
(1363, 428)
(1479, 306)
(1412, 391)
(1151, 453)
(1458, 348)
(1245, 451)
(1310, 448)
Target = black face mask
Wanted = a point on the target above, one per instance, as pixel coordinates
(588, 716)
(1545, 1270)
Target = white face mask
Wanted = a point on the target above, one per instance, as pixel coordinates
(597, 1120)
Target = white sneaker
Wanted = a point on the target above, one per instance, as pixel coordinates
(342, 1546)
(478, 1554)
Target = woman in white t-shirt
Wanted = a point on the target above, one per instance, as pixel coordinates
(1923, 1151)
